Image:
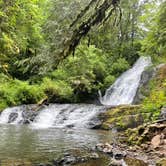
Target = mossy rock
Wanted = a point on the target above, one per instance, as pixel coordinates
(123, 117)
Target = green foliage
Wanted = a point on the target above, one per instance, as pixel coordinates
(157, 96)
(57, 91)
(155, 42)
(109, 80)
(28, 94)
(15, 92)
(31, 40)
(119, 66)
(21, 35)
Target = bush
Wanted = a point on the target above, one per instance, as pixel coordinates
(119, 67)
(29, 94)
(15, 92)
(57, 91)
(109, 80)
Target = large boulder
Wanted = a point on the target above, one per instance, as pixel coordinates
(149, 74)
(123, 117)
(143, 88)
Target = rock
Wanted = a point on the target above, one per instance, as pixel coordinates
(112, 151)
(144, 146)
(156, 141)
(94, 156)
(13, 116)
(163, 113)
(116, 162)
(105, 148)
(143, 88)
(123, 117)
(69, 159)
(70, 126)
(118, 154)
(162, 162)
(29, 113)
(95, 123)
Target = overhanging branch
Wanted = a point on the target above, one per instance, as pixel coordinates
(100, 15)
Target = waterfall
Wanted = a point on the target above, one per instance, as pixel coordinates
(125, 87)
(12, 115)
(122, 91)
(66, 115)
(54, 115)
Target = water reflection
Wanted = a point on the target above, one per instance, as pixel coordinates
(22, 142)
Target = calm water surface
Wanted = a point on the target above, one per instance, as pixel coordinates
(24, 143)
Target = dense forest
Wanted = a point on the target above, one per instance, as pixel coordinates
(82, 83)
(65, 51)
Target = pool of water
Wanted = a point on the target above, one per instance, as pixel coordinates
(22, 143)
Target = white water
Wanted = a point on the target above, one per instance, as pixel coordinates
(125, 87)
(66, 115)
(5, 115)
(55, 115)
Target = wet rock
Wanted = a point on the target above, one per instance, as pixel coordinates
(143, 88)
(29, 113)
(13, 116)
(68, 159)
(95, 123)
(70, 126)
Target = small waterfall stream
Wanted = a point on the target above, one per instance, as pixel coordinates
(54, 115)
(122, 91)
(12, 115)
(66, 115)
(125, 87)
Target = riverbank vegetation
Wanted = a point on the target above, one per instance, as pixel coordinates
(43, 57)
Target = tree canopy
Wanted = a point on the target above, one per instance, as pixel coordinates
(70, 49)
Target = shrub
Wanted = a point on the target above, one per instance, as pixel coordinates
(29, 94)
(109, 80)
(57, 91)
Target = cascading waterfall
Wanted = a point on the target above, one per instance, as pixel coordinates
(12, 115)
(66, 115)
(125, 87)
(54, 115)
(122, 91)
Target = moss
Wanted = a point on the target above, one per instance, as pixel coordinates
(156, 98)
(123, 117)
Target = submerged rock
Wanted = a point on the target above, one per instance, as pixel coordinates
(72, 159)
